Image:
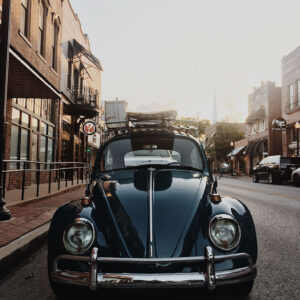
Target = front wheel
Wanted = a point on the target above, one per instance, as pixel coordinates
(239, 291)
(296, 180)
(271, 178)
(69, 292)
(255, 178)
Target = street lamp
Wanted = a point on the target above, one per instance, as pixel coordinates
(297, 126)
(232, 145)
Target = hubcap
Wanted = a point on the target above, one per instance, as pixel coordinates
(270, 178)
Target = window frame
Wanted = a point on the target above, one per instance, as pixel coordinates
(291, 95)
(25, 28)
(54, 46)
(42, 31)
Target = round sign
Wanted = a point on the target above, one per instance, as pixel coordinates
(279, 124)
(89, 127)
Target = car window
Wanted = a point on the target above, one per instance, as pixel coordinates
(156, 156)
(263, 161)
(145, 150)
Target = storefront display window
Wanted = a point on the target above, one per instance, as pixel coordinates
(28, 124)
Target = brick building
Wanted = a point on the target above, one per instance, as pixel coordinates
(290, 100)
(264, 105)
(54, 84)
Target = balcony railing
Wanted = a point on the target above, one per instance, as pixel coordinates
(85, 96)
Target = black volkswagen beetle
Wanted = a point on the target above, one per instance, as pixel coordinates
(152, 218)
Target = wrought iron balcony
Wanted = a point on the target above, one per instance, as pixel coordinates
(85, 101)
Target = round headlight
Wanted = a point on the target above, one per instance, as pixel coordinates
(79, 236)
(224, 232)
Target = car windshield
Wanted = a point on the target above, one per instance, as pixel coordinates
(151, 150)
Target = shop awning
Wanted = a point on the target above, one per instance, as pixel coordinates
(236, 151)
(79, 50)
(254, 147)
(25, 82)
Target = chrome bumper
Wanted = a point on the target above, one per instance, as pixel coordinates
(209, 279)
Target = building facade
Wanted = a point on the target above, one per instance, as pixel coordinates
(290, 100)
(51, 90)
(264, 105)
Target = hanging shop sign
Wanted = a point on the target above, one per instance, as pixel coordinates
(89, 127)
(279, 124)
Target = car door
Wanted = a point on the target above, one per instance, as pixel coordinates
(260, 168)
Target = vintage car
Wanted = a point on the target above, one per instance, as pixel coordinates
(154, 225)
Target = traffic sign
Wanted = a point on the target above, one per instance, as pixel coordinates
(89, 127)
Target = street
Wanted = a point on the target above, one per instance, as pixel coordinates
(276, 211)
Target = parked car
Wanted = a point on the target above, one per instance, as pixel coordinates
(152, 225)
(275, 169)
(296, 177)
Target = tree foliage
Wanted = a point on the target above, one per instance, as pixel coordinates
(225, 134)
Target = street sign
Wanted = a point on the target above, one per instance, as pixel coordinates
(279, 124)
(89, 127)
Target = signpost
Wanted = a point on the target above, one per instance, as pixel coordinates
(89, 127)
(279, 124)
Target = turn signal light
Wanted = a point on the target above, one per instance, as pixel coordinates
(215, 198)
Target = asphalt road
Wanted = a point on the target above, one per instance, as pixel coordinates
(276, 212)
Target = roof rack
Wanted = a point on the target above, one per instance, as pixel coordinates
(154, 121)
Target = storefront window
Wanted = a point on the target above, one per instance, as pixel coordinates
(14, 144)
(25, 120)
(15, 116)
(27, 125)
(35, 124)
(43, 148)
(24, 144)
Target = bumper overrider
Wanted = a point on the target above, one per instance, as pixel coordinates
(210, 279)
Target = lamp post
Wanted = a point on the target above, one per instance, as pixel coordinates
(232, 145)
(297, 126)
(4, 63)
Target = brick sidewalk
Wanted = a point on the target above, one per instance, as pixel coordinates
(26, 217)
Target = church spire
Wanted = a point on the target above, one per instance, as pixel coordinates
(215, 113)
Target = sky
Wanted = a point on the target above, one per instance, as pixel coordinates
(163, 54)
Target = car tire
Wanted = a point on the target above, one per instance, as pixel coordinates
(238, 291)
(296, 180)
(243, 289)
(255, 178)
(271, 179)
(66, 292)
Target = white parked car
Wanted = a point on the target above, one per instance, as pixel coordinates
(296, 177)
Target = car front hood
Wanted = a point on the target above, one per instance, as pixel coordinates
(177, 197)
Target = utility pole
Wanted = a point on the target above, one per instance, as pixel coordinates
(4, 64)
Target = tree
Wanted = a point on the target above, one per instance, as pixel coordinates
(225, 134)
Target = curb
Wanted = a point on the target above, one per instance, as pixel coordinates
(17, 252)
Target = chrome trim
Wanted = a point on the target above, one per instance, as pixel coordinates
(94, 269)
(79, 221)
(150, 201)
(211, 279)
(211, 276)
(224, 217)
